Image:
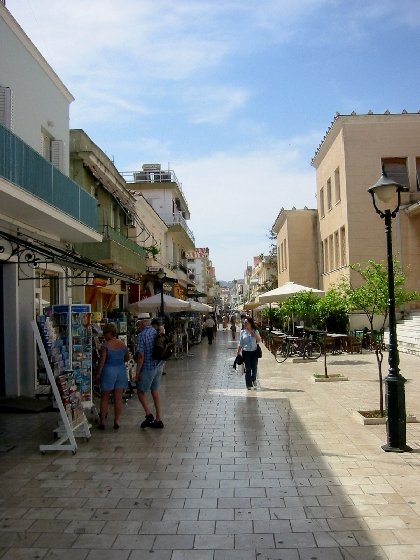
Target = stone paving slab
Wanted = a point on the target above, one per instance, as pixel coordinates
(281, 472)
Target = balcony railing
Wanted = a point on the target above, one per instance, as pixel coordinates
(151, 177)
(110, 233)
(24, 167)
(178, 219)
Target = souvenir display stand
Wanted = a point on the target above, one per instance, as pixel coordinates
(182, 337)
(73, 324)
(64, 389)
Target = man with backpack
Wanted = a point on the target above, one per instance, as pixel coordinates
(149, 374)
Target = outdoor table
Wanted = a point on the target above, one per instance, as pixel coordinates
(339, 339)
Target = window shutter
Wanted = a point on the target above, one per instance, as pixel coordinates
(57, 154)
(6, 107)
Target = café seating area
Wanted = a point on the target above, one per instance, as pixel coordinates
(353, 342)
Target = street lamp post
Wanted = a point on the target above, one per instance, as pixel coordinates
(161, 275)
(388, 192)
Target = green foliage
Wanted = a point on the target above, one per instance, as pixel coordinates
(153, 250)
(332, 311)
(372, 296)
(372, 299)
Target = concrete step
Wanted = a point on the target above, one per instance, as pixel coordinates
(408, 334)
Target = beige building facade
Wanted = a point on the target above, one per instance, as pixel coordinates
(348, 161)
(297, 247)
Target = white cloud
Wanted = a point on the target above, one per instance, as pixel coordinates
(234, 199)
(214, 105)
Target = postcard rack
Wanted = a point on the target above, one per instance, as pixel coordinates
(73, 419)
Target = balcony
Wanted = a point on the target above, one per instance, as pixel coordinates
(176, 222)
(117, 251)
(29, 175)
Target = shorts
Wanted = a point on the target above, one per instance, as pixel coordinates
(150, 379)
(113, 378)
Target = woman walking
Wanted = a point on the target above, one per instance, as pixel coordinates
(111, 374)
(248, 340)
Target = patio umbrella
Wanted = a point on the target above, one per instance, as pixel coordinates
(283, 292)
(200, 307)
(153, 303)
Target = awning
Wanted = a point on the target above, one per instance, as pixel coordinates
(23, 249)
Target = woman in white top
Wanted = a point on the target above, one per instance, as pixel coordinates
(248, 340)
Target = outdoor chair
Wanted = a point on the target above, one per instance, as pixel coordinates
(354, 344)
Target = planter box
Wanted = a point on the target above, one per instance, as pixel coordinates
(377, 421)
(304, 360)
(332, 378)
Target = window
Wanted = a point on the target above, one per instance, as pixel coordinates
(337, 249)
(285, 254)
(282, 256)
(343, 246)
(326, 264)
(331, 252)
(322, 258)
(418, 173)
(329, 194)
(52, 150)
(6, 107)
(321, 203)
(396, 169)
(337, 186)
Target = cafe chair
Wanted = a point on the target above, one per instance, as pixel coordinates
(354, 344)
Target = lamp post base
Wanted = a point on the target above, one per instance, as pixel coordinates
(402, 449)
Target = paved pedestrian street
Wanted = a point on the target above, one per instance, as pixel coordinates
(283, 472)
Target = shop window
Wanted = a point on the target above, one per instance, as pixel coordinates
(396, 169)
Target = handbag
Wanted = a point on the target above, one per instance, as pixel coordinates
(239, 359)
(258, 351)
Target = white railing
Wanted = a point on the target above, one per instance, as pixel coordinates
(174, 219)
(151, 177)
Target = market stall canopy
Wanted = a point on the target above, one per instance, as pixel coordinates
(200, 307)
(153, 303)
(283, 292)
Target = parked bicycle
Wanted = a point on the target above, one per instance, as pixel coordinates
(298, 346)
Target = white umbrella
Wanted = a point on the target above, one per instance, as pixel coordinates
(283, 292)
(170, 304)
(200, 307)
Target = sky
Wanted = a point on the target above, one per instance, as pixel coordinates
(233, 95)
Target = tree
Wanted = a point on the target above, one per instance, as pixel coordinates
(371, 297)
(331, 311)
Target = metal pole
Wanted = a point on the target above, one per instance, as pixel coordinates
(162, 305)
(394, 381)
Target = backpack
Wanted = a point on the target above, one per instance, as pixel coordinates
(162, 348)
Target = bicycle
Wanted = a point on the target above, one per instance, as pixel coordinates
(301, 346)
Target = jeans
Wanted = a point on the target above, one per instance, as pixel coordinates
(251, 365)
